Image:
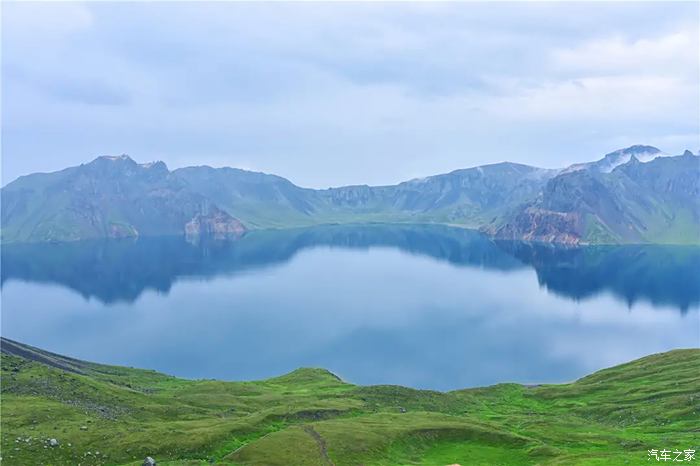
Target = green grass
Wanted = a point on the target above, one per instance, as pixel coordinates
(114, 415)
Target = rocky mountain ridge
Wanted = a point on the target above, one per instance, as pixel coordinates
(637, 194)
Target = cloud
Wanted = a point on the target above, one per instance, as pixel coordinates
(91, 92)
(671, 53)
(340, 93)
(628, 98)
(34, 23)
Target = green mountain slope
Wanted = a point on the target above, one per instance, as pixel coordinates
(108, 197)
(657, 201)
(466, 197)
(617, 199)
(113, 415)
(115, 196)
(259, 199)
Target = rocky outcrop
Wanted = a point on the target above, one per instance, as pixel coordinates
(215, 223)
(534, 224)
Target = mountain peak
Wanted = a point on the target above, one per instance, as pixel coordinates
(115, 158)
(619, 157)
(636, 149)
(155, 165)
(110, 160)
(687, 153)
(123, 161)
(609, 162)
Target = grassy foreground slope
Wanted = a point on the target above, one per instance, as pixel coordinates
(114, 415)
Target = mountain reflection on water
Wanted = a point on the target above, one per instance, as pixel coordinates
(121, 270)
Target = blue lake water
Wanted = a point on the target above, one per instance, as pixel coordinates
(422, 306)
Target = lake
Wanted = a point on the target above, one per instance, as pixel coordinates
(421, 306)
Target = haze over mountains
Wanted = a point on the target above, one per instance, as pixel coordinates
(631, 195)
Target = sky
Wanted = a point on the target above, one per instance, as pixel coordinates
(330, 94)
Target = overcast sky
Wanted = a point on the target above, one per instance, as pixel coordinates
(347, 93)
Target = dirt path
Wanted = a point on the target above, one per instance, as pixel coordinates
(321, 445)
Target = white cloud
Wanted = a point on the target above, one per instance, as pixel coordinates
(613, 79)
(343, 93)
(34, 23)
(602, 98)
(670, 53)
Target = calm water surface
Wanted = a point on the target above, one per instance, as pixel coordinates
(428, 307)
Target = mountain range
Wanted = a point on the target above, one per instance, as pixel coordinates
(633, 195)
